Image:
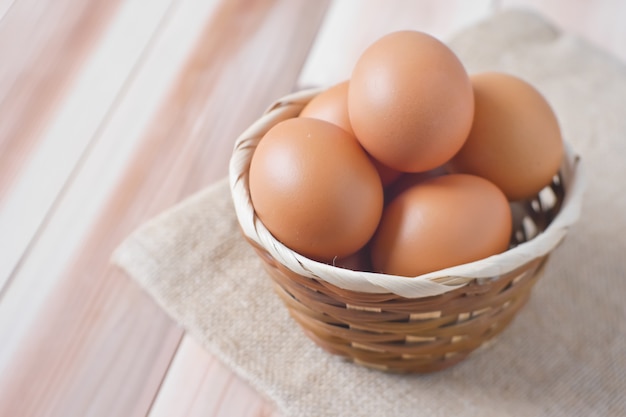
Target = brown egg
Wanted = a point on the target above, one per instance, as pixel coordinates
(515, 140)
(410, 101)
(331, 105)
(315, 189)
(441, 222)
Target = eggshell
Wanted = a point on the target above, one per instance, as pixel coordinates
(315, 189)
(410, 101)
(441, 222)
(331, 105)
(515, 140)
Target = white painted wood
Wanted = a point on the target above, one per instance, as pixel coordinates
(20, 42)
(83, 111)
(199, 385)
(100, 170)
(5, 5)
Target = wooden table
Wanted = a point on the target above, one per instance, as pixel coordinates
(114, 110)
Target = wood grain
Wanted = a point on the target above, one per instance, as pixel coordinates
(5, 5)
(64, 337)
(54, 37)
(198, 385)
(47, 156)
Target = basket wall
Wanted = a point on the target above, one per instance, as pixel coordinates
(397, 334)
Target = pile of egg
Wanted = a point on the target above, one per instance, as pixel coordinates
(409, 166)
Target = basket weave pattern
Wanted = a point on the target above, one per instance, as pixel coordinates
(385, 330)
(393, 333)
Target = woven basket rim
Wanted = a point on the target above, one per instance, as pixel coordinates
(430, 284)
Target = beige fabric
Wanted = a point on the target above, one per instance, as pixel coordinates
(564, 355)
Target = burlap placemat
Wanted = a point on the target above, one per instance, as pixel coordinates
(564, 355)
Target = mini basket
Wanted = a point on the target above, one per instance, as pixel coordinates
(401, 324)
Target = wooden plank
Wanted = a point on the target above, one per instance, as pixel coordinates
(199, 385)
(71, 365)
(5, 5)
(109, 154)
(599, 22)
(76, 370)
(352, 25)
(42, 44)
(34, 147)
(154, 149)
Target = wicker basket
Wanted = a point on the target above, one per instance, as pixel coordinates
(401, 324)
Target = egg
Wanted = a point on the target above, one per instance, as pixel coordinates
(331, 105)
(441, 222)
(410, 101)
(315, 189)
(515, 140)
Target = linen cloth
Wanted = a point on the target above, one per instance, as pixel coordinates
(564, 354)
